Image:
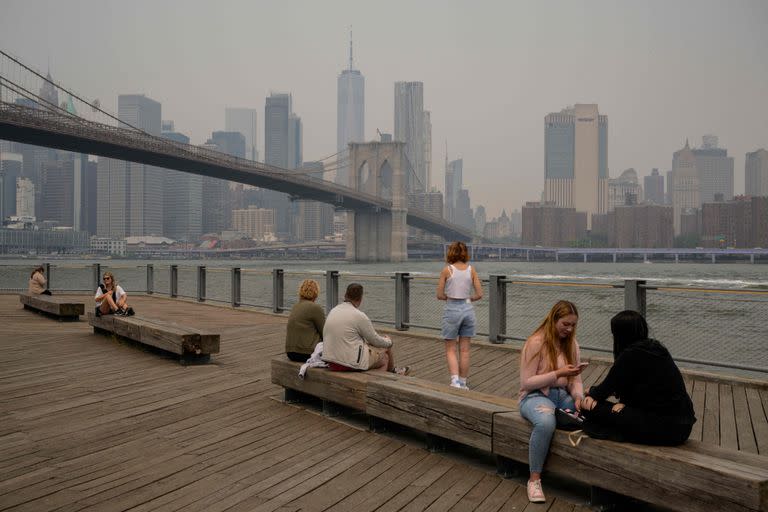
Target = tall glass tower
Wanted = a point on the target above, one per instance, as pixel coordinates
(350, 114)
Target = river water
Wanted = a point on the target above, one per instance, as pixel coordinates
(702, 311)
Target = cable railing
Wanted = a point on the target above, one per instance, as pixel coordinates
(712, 327)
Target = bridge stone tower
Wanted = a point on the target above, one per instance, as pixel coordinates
(378, 168)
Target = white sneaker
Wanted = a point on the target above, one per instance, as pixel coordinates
(535, 492)
(456, 383)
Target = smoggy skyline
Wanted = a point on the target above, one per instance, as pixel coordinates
(491, 72)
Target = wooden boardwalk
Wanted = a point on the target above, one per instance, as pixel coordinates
(87, 422)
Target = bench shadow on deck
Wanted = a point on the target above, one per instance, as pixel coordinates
(89, 422)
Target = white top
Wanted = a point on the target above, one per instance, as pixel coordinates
(118, 291)
(459, 284)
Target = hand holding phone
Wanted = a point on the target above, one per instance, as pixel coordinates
(583, 365)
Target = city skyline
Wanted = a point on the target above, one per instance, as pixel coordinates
(522, 51)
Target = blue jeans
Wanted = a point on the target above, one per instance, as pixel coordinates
(539, 409)
(458, 320)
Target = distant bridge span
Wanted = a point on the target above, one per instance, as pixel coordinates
(42, 127)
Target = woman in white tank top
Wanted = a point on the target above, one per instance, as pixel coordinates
(459, 286)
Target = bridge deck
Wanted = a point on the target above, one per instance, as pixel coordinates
(89, 423)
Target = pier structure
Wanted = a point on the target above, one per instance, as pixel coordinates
(92, 422)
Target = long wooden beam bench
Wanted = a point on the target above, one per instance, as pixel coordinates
(61, 307)
(191, 344)
(693, 477)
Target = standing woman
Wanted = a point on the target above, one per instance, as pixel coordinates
(550, 378)
(459, 286)
(37, 282)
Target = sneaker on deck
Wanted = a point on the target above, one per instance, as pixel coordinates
(456, 383)
(402, 370)
(535, 492)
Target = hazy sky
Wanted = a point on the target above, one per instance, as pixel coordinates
(662, 71)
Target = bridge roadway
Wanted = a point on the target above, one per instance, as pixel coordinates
(91, 423)
(55, 130)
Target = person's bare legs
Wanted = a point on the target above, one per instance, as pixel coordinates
(108, 304)
(451, 357)
(385, 361)
(464, 348)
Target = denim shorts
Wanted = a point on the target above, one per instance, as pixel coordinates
(458, 320)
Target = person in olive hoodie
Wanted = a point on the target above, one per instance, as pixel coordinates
(305, 323)
(653, 405)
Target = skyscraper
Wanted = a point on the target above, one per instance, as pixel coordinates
(350, 114)
(576, 159)
(282, 148)
(11, 165)
(57, 180)
(454, 171)
(130, 195)
(685, 190)
(715, 169)
(654, 188)
(624, 190)
(409, 128)
(243, 120)
(756, 173)
(183, 193)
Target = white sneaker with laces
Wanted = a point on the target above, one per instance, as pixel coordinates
(535, 492)
(456, 383)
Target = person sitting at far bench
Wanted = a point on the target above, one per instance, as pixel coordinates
(350, 343)
(111, 299)
(37, 282)
(305, 323)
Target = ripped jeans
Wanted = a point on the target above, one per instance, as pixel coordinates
(539, 409)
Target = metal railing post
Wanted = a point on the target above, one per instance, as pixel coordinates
(173, 285)
(278, 284)
(235, 287)
(150, 279)
(96, 275)
(634, 295)
(201, 283)
(331, 290)
(402, 300)
(497, 307)
(48, 276)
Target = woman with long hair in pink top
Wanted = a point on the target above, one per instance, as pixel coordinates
(550, 378)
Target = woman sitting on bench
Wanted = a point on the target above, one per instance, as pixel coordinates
(37, 282)
(654, 407)
(111, 299)
(305, 323)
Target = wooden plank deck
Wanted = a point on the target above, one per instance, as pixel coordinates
(87, 422)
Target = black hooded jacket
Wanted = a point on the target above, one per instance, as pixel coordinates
(645, 377)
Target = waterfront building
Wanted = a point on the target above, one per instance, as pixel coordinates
(243, 120)
(549, 225)
(576, 159)
(350, 115)
(130, 195)
(42, 240)
(715, 170)
(653, 188)
(106, 245)
(756, 173)
(685, 190)
(409, 128)
(183, 198)
(11, 168)
(640, 226)
(739, 223)
(257, 223)
(624, 190)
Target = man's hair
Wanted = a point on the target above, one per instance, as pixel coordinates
(354, 292)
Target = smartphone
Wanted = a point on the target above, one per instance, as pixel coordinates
(583, 365)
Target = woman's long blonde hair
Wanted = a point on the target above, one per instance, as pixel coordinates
(114, 281)
(552, 345)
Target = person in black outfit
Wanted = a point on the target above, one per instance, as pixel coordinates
(654, 407)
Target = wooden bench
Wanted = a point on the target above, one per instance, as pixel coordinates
(63, 308)
(189, 343)
(694, 476)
